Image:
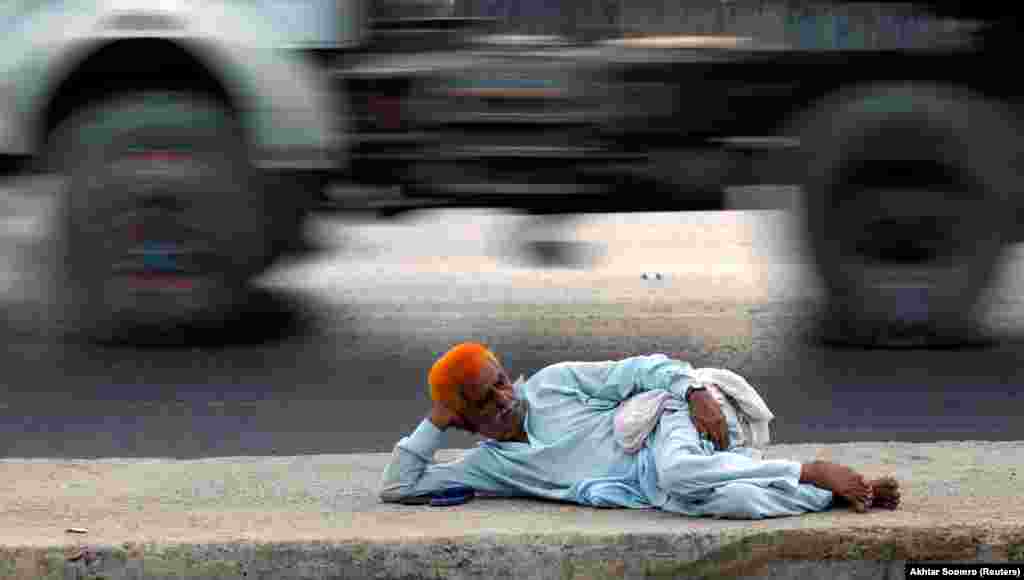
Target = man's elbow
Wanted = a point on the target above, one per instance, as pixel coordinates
(392, 487)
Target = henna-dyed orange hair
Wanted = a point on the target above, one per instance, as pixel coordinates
(460, 364)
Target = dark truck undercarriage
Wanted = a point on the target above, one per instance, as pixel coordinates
(684, 122)
(908, 159)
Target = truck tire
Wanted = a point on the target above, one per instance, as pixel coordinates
(162, 221)
(910, 199)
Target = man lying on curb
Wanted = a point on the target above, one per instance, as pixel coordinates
(553, 437)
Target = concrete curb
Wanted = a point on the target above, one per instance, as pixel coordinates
(961, 504)
(851, 553)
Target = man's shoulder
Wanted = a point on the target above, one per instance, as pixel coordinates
(551, 374)
(598, 365)
(561, 367)
(571, 371)
(654, 358)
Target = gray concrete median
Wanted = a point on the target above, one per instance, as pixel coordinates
(318, 517)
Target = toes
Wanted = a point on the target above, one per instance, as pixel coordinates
(882, 493)
(885, 483)
(886, 492)
(890, 502)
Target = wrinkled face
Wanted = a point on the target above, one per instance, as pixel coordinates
(492, 409)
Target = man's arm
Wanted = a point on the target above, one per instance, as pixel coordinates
(410, 460)
(412, 470)
(617, 381)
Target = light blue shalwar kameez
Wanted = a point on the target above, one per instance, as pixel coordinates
(573, 456)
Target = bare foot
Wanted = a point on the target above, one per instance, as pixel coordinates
(885, 494)
(845, 483)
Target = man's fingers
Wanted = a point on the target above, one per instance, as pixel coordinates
(703, 431)
(717, 432)
(712, 434)
(721, 441)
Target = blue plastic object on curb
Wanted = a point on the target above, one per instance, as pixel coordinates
(448, 497)
(452, 496)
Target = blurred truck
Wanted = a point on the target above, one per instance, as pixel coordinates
(908, 158)
(191, 137)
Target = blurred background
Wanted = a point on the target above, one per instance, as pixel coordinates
(569, 180)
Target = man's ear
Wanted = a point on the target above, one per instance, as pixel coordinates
(457, 420)
(460, 422)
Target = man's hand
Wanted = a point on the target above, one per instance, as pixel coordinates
(442, 417)
(708, 418)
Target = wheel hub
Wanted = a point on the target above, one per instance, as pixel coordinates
(908, 240)
(154, 247)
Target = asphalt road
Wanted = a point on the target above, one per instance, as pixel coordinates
(334, 357)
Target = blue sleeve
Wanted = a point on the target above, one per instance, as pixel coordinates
(616, 381)
(412, 470)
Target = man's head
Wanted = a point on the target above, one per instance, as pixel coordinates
(471, 383)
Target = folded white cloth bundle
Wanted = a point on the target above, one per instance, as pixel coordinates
(637, 417)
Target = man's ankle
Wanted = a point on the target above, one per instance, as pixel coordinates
(811, 472)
